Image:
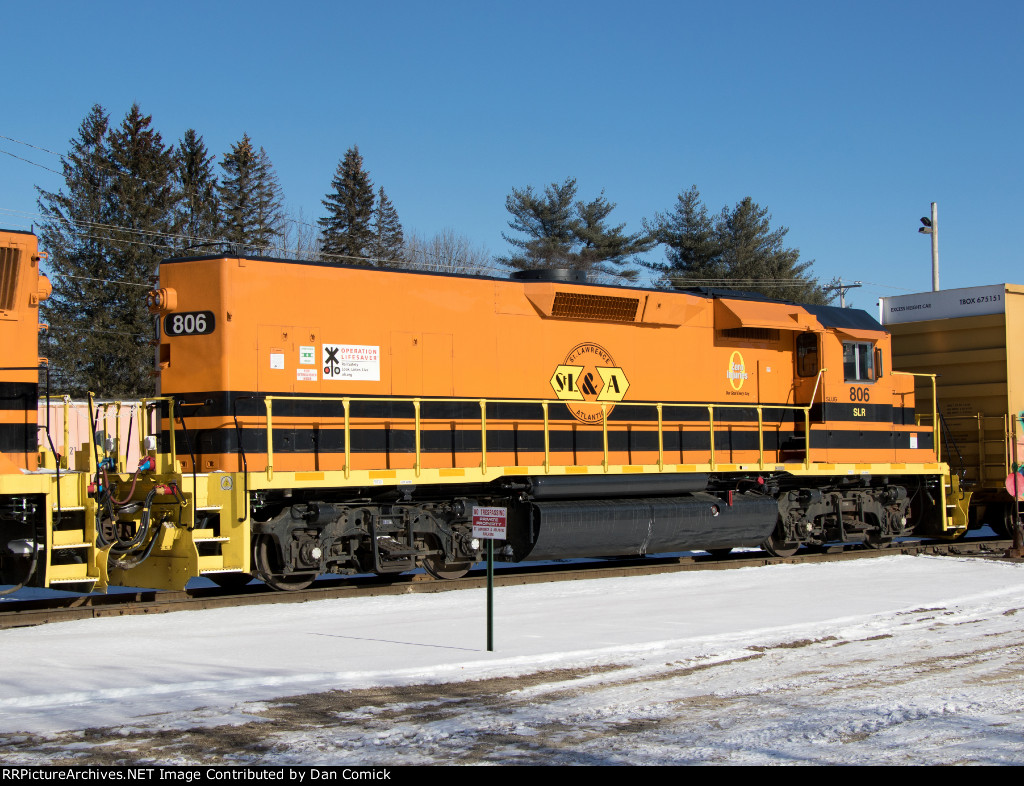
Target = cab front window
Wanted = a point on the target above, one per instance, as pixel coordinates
(858, 362)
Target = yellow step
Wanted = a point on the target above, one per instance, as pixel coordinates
(73, 572)
(68, 537)
(212, 562)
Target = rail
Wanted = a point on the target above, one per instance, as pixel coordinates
(544, 406)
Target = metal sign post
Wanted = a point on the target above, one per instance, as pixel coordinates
(490, 524)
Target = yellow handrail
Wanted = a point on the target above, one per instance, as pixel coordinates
(936, 431)
(544, 405)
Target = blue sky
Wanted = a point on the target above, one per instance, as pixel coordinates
(845, 119)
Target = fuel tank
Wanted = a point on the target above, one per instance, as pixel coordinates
(552, 529)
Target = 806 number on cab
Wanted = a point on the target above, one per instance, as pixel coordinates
(189, 323)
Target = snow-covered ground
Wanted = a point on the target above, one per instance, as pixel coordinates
(890, 660)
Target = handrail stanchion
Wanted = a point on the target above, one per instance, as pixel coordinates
(416, 413)
(67, 430)
(807, 437)
(661, 442)
(118, 466)
(174, 438)
(760, 438)
(547, 438)
(270, 437)
(348, 439)
(483, 436)
(711, 432)
(604, 428)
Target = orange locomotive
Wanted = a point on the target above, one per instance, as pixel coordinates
(364, 413)
(24, 518)
(313, 418)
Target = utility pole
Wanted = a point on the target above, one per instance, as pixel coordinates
(842, 290)
(931, 227)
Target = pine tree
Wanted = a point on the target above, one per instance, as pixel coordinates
(692, 243)
(548, 223)
(563, 232)
(601, 246)
(753, 252)
(105, 235)
(388, 239)
(348, 234)
(82, 309)
(252, 213)
(268, 203)
(737, 249)
(199, 208)
(143, 208)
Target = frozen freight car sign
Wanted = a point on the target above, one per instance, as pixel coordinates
(944, 304)
(587, 379)
(351, 362)
(489, 523)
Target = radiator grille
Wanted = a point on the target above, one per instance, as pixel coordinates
(570, 305)
(750, 334)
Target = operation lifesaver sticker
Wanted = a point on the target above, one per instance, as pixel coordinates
(587, 380)
(356, 362)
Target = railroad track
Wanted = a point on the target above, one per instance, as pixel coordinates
(24, 613)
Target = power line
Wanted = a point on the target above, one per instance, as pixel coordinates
(105, 281)
(33, 163)
(27, 144)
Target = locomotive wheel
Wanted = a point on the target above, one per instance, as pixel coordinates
(779, 548)
(439, 569)
(875, 541)
(267, 565)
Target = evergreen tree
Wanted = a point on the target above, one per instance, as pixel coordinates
(82, 311)
(563, 232)
(348, 233)
(105, 235)
(388, 239)
(548, 223)
(199, 208)
(601, 245)
(143, 212)
(268, 203)
(692, 244)
(252, 213)
(737, 249)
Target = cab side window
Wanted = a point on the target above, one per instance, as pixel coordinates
(858, 362)
(807, 354)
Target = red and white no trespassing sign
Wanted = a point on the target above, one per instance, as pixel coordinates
(489, 523)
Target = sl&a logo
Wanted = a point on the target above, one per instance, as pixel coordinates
(587, 379)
